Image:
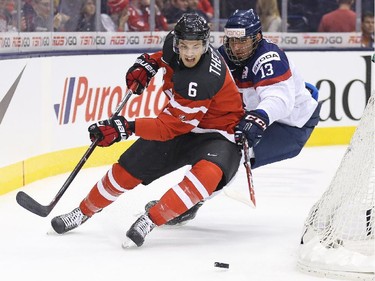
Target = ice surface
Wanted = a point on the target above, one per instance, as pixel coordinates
(259, 244)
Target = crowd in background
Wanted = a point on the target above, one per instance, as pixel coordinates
(134, 15)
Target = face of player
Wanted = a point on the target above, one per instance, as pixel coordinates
(190, 52)
(241, 47)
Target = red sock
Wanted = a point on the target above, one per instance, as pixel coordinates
(114, 183)
(198, 184)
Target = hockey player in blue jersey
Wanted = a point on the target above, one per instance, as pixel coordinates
(281, 108)
(274, 93)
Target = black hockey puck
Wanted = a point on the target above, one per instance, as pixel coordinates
(221, 264)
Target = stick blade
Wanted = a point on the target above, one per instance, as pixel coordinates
(240, 194)
(31, 205)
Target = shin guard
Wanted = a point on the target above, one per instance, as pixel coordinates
(198, 184)
(114, 183)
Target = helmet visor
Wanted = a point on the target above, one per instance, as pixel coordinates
(239, 47)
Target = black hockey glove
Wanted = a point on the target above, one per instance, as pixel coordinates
(111, 131)
(141, 72)
(252, 125)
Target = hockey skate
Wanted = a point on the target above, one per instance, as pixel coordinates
(69, 221)
(138, 231)
(181, 219)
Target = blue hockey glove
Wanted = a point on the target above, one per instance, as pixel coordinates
(238, 136)
(252, 125)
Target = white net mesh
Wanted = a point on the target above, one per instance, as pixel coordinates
(340, 229)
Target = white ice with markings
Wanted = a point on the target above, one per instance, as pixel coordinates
(258, 244)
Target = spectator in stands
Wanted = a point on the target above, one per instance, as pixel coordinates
(174, 12)
(367, 25)
(87, 19)
(104, 6)
(71, 9)
(8, 21)
(139, 13)
(37, 16)
(115, 6)
(343, 19)
(227, 7)
(193, 8)
(269, 14)
(206, 7)
(59, 19)
(118, 11)
(163, 4)
(368, 5)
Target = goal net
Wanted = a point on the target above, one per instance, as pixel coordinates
(338, 235)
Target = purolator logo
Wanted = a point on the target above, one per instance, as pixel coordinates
(80, 101)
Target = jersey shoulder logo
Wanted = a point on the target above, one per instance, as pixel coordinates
(267, 57)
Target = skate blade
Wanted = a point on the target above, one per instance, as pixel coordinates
(128, 244)
(52, 232)
(176, 225)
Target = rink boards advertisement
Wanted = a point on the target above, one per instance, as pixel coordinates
(45, 41)
(47, 104)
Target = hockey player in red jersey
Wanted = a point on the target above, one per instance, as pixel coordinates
(195, 128)
(281, 108)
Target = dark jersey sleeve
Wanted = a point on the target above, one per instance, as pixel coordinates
(222, 51)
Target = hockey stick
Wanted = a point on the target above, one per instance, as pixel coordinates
(33, 206)
(238, 193)
(249, 175)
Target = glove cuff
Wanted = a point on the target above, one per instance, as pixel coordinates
(261, 114)
(131, 126)
(256, 117)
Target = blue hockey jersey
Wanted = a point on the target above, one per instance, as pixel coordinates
(270, 81)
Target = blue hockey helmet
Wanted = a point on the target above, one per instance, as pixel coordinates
(241, 35)
(191, 26)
